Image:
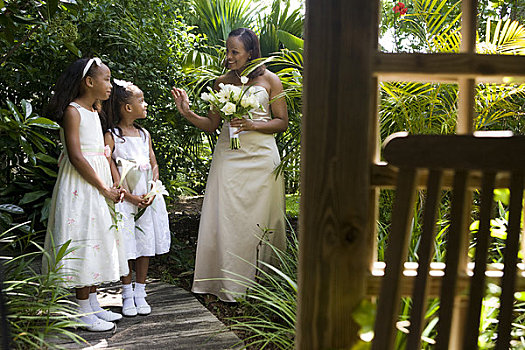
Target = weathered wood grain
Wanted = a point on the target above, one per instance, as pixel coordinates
(448, 67)
(335, 244)
(177, 321)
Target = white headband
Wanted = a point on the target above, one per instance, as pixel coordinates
(123, 83)
(89, 64)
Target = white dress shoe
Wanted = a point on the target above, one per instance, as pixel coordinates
(140, 302)
(144, 309)
(129, 311)
(99, 326)
(109, 316)
(128, 304)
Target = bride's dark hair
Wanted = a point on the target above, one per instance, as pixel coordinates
(251, 43)
(67, 88)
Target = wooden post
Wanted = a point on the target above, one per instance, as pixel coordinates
(467, 86)
(465, 125)
(335, 249)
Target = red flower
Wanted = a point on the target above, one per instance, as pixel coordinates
(400, 9)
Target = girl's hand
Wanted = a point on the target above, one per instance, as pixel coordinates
(146, 202)
(243, 124)
(122, 193)
(134, 199)
(112, 193)
(182, 101)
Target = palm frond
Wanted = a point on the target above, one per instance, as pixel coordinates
(508, 38)
(217, 18)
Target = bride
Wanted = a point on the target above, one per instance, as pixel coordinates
(244, 200)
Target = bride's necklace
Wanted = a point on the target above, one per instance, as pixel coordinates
(237, 74)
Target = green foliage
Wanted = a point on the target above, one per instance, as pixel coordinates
(270, 301)
(431, 108)
(436, 24)
(292, 205)
(279, 27)
(217, 18)
(21, 19)
(28, 171)
(39, 308)
(142, 42)
(147, 43)
(37, 40)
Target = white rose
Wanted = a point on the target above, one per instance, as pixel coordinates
(244, 80)
(250, 101)
(253, 101)
(229, 108)
(244, 102)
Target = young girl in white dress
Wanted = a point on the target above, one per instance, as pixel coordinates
(149, 234)
(79, 207)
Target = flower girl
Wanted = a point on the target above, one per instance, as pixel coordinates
(145, 220)
(79, 214)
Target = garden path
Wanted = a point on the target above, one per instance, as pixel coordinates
(177, 321)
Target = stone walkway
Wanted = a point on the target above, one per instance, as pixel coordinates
(177, 321)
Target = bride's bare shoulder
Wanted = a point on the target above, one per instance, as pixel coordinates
(227, 78)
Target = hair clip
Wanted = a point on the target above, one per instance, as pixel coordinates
(97, 61)
(123, 83)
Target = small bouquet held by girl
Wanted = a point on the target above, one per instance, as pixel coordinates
(130, 174)
(233, 102)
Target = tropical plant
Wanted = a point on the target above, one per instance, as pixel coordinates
(144, 42)
(39, 309)
(281, 28)
(217, 18)
(431, 108)
(36, 41)
(27, 177)
(270, 301)
(280, 19)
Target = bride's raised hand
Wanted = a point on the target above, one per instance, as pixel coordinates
(182, 100)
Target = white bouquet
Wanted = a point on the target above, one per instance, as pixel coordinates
(232, 102)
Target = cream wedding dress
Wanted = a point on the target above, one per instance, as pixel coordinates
(243, 205)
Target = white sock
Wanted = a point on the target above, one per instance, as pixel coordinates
(140, 294)
(84, 307)
(127, 296)
(93, 301)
